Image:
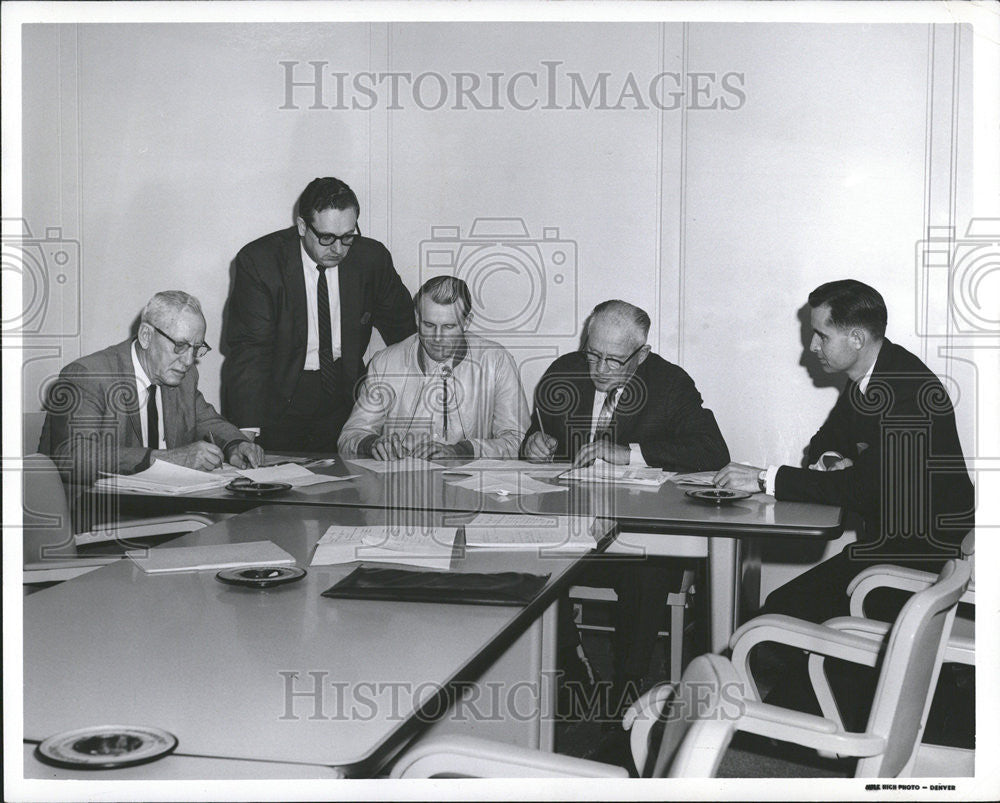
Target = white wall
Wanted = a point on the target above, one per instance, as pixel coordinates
(162, 149)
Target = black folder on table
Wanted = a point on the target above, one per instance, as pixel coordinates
(405, 585)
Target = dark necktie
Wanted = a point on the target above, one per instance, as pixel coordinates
(604, 417)
(152, 420)
(445, 372)
(326, 372)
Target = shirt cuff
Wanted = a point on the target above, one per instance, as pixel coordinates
(772, 473)
(635, 457)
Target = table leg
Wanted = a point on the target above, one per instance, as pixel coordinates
(723, 590)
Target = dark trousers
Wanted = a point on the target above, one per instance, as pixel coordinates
(820, 594)
(641, 611)
(313, 419)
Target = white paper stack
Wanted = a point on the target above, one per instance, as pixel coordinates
(428, 547)
(166, 478)
(601, 471)
(296, 476)
(209, 556)
(701, 478)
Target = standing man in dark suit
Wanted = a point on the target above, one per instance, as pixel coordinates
(301, 313)
(888, 452)
(616, 401)
(121, 409)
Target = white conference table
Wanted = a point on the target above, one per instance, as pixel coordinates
(285, 675)
(656, 521)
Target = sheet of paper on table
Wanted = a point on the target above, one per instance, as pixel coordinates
(209, 556)
(384, 466)
(601, 471)
(294, 475)
(271, 459)
(165, 478)
(503, 531)
(506, 484)
(695, 478)
(489, 464)
(428, 547)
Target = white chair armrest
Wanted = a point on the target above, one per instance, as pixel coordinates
(808, 730)
(885, 575)
(794, 632)
(471, 757)
(640, 718)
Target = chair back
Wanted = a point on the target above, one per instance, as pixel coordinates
(48, 530)
(699, 721)
(910, 667)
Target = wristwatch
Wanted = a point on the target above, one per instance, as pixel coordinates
(762, 480)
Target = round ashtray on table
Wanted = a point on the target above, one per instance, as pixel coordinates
(717, 496)
(244, 486)
(260, 576)
(106, 747)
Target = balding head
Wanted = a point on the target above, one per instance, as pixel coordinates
(614, 342)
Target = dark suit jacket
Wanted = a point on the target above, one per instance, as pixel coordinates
(910, 479)
(267, 326)
(92, 419)
(659, 408)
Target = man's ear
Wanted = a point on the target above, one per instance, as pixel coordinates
(144, 335)
(643, 354)
(858, 338)
(467, 321)
(300, 225)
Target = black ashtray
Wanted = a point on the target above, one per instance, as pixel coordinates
(261, 576)
(717, 496)
(247, 487)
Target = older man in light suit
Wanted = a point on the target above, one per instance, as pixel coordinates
(123, 408)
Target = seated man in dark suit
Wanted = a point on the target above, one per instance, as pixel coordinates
(121, 409)
(889, 452)
(616, 401)
(301, 312)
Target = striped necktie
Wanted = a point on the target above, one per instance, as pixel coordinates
(603, 427)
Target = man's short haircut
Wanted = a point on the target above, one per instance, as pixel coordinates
(619, 313)
(168, 304)
(326, 193)
(445, 290)
(852, 303)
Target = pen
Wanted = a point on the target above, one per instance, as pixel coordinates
(541, 427)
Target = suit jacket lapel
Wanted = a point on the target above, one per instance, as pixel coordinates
(349, 278)
(173, 416)
(127, 372)
(295, 287)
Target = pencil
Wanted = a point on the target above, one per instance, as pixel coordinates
(541, 427)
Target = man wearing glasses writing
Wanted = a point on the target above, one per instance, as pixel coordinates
(616, 401)
(122, 409)
(301, 312)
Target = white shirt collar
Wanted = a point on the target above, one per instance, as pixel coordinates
(141, 380)
(307, 261)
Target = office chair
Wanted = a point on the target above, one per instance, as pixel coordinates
(698, 722)
(909, 651)
(50, 546)
(961, 647)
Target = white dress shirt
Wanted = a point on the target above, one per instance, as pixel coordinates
(635, 452)
(311, 276)
(142, 383)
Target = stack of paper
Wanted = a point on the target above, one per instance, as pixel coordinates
(165, 478)
(502, 531)
(385, 466)
(429, 547)
(601, 471)
(296, 476)
(210, 556)
(506, 484)
(526, 466)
